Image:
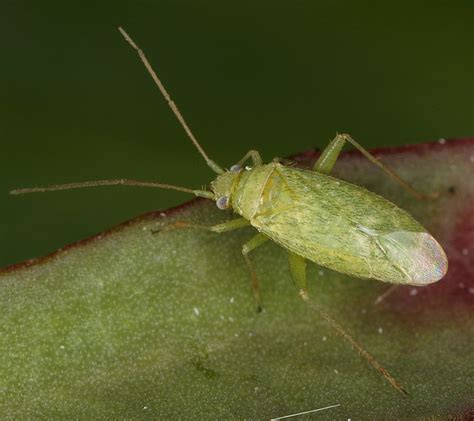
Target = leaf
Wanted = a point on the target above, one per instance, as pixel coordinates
(131, 324)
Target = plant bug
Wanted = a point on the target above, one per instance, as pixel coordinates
(312, 215)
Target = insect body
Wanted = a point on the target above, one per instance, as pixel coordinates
(314, 216)
(333, 223)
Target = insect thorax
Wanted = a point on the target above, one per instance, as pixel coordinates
(243, 189)
(249, 190)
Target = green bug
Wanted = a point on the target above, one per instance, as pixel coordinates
(314, 216)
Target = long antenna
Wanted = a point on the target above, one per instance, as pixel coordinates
(216, 168)
(118, 182)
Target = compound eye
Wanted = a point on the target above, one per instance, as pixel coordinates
(223, 202)
(235, 168)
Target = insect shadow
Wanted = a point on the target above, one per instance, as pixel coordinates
(311, 214)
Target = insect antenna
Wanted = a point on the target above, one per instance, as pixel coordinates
(216, 168)
(126, 182)
(370, 358)
(118, 182)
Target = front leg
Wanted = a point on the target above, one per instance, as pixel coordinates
(231, 225)
(253, 155)
(218, 228)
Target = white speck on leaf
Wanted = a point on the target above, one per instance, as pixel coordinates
(232, 300)
(442, 141)
(324, 339)
(413, 292)
(465, 251)
(380, 330)
(196, 311)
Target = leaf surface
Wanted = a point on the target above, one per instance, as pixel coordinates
(131, 324)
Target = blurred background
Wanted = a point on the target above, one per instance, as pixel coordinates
(281, 77)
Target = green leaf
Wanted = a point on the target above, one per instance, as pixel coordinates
(131, 324)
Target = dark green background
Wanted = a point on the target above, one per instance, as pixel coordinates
(281, 77)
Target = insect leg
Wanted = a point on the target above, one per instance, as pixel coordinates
(298, 273)
(254, 156)
(389, 291)
(328, 158)
(222, 227)
(359, 348)
(250, 245)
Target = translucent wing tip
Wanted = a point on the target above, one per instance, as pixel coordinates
(432, 261)
(417, 254)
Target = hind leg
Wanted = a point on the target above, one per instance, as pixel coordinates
(328, 158)
(298, 273)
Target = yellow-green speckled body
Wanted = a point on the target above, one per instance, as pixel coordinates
(336, 224)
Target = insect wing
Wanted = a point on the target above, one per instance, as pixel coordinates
(346, 228)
